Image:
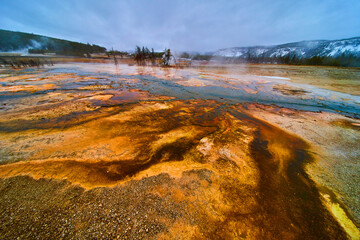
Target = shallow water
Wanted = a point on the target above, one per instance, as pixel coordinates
(230, 89)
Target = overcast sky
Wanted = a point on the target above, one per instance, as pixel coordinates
(183, 25)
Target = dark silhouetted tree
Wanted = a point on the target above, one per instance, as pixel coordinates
(166, 58)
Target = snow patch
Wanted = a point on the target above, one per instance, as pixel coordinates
(275, 77)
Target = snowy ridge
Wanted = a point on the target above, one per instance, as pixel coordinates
(305, 49)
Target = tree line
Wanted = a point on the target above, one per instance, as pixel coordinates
(21, 62)
(12, 41)
(198, 56)
(344, 60)
(143, 56)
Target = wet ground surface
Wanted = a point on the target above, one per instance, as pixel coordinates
(98, 151)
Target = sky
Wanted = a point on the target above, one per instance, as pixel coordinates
(183, 25)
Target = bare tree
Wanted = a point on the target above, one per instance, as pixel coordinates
(139, 56)
(153, 57)
(166, 58)
(113, 53)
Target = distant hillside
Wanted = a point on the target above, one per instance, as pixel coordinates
(25, 42)
(345, 52)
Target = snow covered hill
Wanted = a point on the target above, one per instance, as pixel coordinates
(304, 49)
